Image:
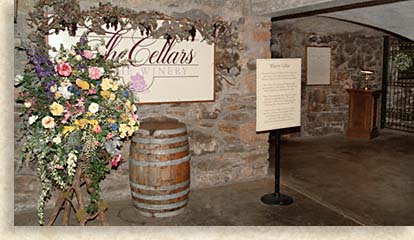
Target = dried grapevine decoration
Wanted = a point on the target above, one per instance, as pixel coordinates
(53, 16)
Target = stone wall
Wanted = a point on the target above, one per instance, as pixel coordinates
(225, 147)
(325, 108)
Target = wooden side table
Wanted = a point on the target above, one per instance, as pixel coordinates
(364, 113)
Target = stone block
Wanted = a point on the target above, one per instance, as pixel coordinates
(236, 117)
(202, 143)
(250, 82)
(261, 36)
(248, 134)
(265, 52)
(226, 128)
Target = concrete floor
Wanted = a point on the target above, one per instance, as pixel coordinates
(370, 181)
(232, 205)
(333, 180)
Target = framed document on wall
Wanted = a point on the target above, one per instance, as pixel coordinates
(318, 65)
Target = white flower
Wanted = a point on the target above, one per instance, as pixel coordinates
(18, 79)
(93, 108)
(72, 52)
(27, 104)
(48, 122)
(78, 58)
(64, 90)
(53, 88)
(72, 159)
(33, 119)
(101, 70)
(57, 140)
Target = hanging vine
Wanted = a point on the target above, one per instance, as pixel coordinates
(53, 16)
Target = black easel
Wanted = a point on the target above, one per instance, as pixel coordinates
(277, 198)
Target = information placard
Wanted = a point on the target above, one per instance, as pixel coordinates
(278, 90)
(162, 71)
(318, 65)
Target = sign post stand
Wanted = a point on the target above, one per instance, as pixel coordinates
(278, 106)
(277, 198)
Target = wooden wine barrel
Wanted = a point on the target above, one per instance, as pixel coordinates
(159, 168)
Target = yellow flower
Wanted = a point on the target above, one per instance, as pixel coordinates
(131, 130)
(94, 123)
(112, 97)
(82, 84)
(130, 107)
(132, 122)
(81, 123)
(68, 129)
(48, 122)
(114, 86)
(111, 120)
(123, 129)
(124, 117)
(128, 104)
(78, 58)
(106, 84)
(58, 95)
(105, 94)
(56, 109)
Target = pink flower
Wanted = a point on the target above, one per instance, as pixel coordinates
(88, 54)
(116, 160)
(81, 104)
(92, 91)
(64, 69)
(68, 105)
(59, 167)
(95, 72)
(97, 129)
(135, 117)
(66, 117)
(97, 143)
(109, 136)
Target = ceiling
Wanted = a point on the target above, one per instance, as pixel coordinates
(395, 17)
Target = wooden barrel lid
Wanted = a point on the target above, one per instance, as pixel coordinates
(161, 127)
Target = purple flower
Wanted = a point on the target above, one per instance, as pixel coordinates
(41, 63)
(83, 39)
(138, 83)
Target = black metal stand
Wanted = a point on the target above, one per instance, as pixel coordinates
(277, 198)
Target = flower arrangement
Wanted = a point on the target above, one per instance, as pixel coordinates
(76, 112)
(402, 61)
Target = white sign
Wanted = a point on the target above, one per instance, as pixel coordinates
(278, 90)
(318, 65)
(160, 71)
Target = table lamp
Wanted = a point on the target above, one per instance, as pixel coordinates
(367, 74)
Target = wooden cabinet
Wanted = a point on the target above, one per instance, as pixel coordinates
(364, 113)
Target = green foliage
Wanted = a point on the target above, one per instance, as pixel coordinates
(53, 16)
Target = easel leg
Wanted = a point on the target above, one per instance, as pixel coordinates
(277, 198)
